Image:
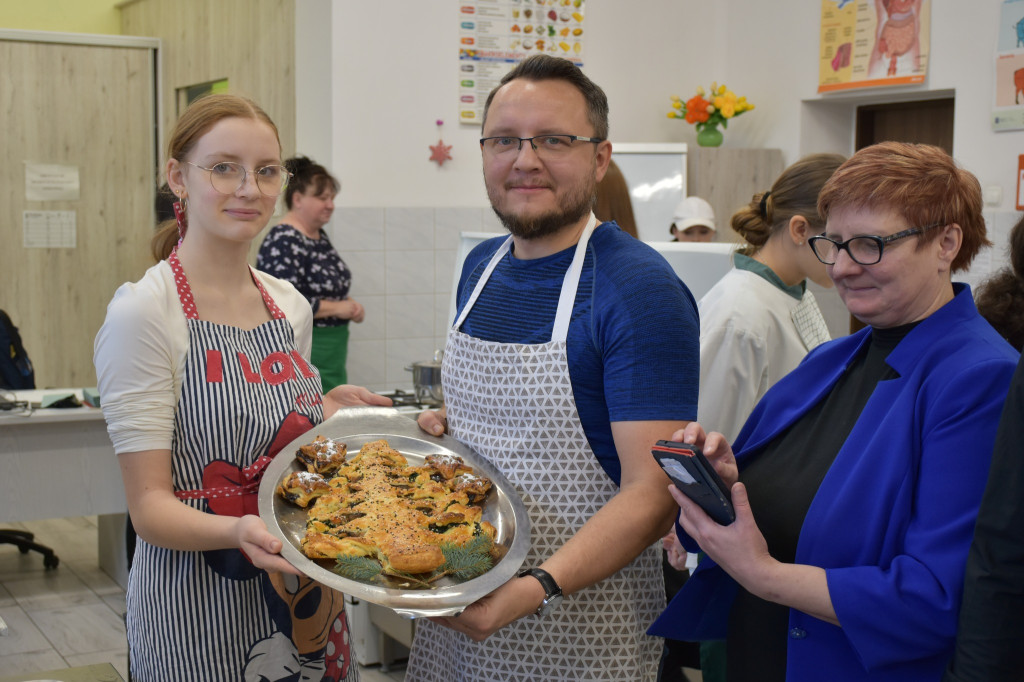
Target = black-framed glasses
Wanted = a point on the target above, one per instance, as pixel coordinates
(228, 177)
(865, 250)
(543, 145)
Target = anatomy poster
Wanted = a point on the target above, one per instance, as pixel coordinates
(494, 35)
(1008, 109)
(872, 43)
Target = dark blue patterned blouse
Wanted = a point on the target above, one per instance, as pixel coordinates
(312, 265)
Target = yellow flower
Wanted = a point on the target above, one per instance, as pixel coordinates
(728, 111)
(674, 98)
(671, 114)
(721, 90)
(677, 104)
(700, 91)
(711, 108)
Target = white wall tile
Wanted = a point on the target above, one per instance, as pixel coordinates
(374, 324)
(409, 228)
(410, 316)
(357, 229)
(491, 223)
(442, 315)
(367, 364)
(401, 354)
(444, 270)
(369, 276)
(409, 272)
(449, 223)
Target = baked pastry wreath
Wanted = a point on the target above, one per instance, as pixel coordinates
(375, 514)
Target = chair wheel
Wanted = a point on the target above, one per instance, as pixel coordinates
(51, 562)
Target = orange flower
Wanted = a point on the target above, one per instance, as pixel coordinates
(696, 110)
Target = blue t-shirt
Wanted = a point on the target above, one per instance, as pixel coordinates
(633, 341)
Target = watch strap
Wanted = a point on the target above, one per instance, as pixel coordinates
(552, 592)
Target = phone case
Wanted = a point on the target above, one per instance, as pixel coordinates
(693, 474)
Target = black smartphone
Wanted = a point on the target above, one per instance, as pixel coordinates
(693, 474)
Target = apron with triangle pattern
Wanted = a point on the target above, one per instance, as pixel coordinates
(513, 404)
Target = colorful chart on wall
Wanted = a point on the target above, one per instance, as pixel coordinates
(1008, 105)
(873, 43)
(494, 35)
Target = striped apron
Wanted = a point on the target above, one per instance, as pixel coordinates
(213, 616)
(513, 403)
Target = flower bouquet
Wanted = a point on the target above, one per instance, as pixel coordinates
(708, 113)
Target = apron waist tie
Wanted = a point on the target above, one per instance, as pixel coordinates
(251, 477)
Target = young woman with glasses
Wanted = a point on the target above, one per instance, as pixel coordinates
(858, 476)
(204, 369)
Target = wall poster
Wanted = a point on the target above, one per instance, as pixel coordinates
(872, 43)
(494, 35)
(1008, 105)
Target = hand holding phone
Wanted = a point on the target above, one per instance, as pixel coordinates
(696, 478)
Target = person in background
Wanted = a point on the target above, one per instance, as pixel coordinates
(565, 394)
(613, 203)
(298, 250)
(857, 478)
(1000, 298)
(990, 639)
(204, 370)
(991, 633)
(759, 321)
(693, 221)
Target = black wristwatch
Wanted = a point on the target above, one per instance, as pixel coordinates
(552, 592)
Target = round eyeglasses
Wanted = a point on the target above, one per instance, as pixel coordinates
(545, 146)
(864, 250)
(228, 177)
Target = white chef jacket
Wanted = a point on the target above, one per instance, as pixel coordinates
(749, 339)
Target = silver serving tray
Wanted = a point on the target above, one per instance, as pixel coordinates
(356, 426)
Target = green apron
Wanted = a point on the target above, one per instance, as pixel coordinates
(330, 349)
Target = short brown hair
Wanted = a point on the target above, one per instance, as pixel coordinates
(197, 120)
(919, 182)
(543, 67)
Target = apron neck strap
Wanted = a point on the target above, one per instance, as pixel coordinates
(570, 283)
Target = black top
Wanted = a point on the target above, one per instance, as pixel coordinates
(781, 482)
(991, 630)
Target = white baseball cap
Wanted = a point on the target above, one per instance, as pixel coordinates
(693, 211)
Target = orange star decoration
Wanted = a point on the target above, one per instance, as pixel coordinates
(440, 152)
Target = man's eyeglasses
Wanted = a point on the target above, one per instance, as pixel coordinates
(228, 177)
(865, 250)
(544, 145)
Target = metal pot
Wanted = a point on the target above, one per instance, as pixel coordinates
(426, 380)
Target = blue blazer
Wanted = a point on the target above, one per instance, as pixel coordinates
(892, 521)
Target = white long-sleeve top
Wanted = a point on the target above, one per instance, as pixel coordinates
(752, 333)
(140, 353)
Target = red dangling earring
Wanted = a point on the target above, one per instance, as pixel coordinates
(179, 216)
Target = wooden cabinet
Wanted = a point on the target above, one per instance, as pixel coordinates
(728, 178)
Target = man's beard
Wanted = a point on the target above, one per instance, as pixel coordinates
(577, 204)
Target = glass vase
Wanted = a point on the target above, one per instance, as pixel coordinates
(710, 136)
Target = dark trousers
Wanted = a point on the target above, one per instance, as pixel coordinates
(676, 655)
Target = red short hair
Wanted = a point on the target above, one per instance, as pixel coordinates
(919, 182)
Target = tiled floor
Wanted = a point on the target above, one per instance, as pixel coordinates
(71, 616)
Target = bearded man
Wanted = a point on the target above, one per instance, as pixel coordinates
(575, 349)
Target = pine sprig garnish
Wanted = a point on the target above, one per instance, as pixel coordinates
(360, 568)
(466, 562)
